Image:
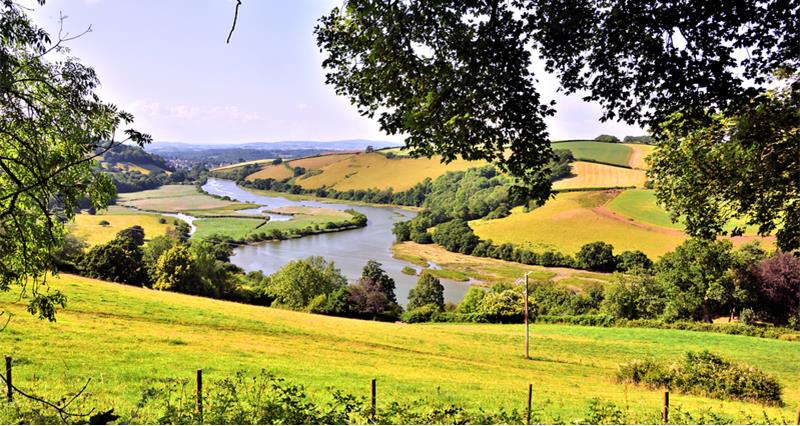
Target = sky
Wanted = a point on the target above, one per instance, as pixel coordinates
(166, 62)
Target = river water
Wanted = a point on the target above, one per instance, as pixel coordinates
(350, 250)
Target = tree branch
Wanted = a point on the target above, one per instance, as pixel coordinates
(235, 18)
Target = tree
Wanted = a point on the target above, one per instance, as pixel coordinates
(119, 260)
(52, 127)
(454, 76)
(597, 256)
(428, 291)
(372, 271)
(634, 296)
(697, 279)
(175, 271)
(744, 165)
(153, 251)
(633, 259)
(472, 300)
(607, 138)
(299, 281)
(778, 284)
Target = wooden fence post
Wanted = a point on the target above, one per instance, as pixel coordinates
(373, 411)
(200, 394)
(8, 378)
(665, 409)
(528, 413)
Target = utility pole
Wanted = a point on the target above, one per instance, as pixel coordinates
(527, 340)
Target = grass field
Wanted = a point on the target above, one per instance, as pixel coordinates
(640, 205)
(272, 171)
(594, 175)
(319, 161)
(87, 227)
(611, 153)
(126, 337)
(572, 220)
(490, 271)
(240, 228)
(374, 170)
(177, 198)
(639, 154)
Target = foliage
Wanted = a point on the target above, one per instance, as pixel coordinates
(299, 281)
(646, 140)
(419, 97)
(777, 282)
(372, 271)
(705, 374)
(119, 260)
(607, 138)
(597, 256)
(743, 165)
(51, 125)
(634, 296)
(174, 271)
(153, 250)
(428, 291)
(696, 279)
(69, 255)
(455, 236)
(471, 301)
(424, 313)
(630, 260)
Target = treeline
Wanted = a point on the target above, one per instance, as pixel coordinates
(698, 282)
(415, 196)
(646, 139)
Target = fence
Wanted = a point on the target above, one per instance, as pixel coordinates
(8, 379)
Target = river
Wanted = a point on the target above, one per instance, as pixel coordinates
(349, 250)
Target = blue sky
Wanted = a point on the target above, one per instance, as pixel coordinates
(166, 61)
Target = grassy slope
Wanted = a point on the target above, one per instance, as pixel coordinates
(274, 171)
(639, 155)
(570, 221)
(123, 336)
(374, 170)
(594, 175)
(640, 206)
(612, 153)
(87, 226)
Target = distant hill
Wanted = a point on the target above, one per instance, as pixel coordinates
(216, 155)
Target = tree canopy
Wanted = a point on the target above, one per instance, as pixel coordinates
(52, 126)
(455, 77)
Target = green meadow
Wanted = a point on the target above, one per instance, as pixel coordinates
(610, 153)
(125, 338)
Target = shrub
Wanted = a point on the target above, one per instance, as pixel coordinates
(633, 260)
(162, 220)
(423, 313)
(705, 374)
(104, 223)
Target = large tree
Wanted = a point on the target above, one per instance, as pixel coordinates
(455, 77)
(52, 127)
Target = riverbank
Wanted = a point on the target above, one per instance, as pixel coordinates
(490, 271)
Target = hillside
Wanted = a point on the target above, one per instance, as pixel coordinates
(363, 171)
(134, 336)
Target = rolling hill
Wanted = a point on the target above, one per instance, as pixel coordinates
(135, 336)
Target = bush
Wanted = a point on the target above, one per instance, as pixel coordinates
(423, 313)
(633, 297)
(104, 223)
(705, 374)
